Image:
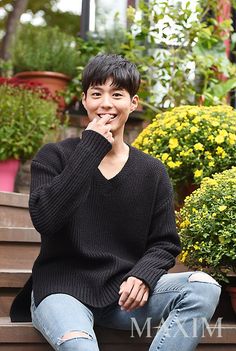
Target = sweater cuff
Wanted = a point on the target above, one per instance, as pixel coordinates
(96, 143)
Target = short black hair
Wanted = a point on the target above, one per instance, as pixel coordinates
(124, 73)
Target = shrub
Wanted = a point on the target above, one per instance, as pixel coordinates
(192, 141)
(44, 49)
(207, 226)
(26, 117)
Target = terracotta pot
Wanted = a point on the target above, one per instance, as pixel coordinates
(54, 81)
(182, 193)
(232, 293)
(8, 172)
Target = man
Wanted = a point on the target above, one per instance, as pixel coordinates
(105, 214)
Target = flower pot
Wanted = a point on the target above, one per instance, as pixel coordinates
(232, 293)
(8, 172)
(54, 81)
(182, 192)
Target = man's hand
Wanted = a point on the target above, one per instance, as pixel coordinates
(101, 126)
(133, 294)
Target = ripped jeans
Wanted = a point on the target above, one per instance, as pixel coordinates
(181, 302)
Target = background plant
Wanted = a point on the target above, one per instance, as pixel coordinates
(26, 119)
(192, 141)
(179, 50)
(44, 49)
(207, 226)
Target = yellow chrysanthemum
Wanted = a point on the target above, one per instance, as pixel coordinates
(173, 143)
(198, 173)
(173, 165)
(199, 147)
(222, 208)
(194, 129)
(219, 139)
(164, 157)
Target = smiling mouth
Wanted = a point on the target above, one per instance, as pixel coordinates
(112, 116)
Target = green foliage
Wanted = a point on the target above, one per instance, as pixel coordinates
(184, 54)
(25, 121)
(179, 52)
(192, 141)
(5, 68)
(44, 49)
(207, 226)
(67, 22)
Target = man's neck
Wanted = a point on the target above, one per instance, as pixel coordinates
(119, 148)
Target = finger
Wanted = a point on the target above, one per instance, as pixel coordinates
(132, 297)
(126, 291)
(137, 300)
(133, 285)
(140, 300)
(104, 119)
(144, 299)
(122, 287)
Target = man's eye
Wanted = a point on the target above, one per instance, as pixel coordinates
(117, 94)
(96, 94)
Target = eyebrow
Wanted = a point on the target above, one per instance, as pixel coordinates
(98, 87)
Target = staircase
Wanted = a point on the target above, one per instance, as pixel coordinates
(19, 246)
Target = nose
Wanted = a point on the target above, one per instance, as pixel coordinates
(106, 101)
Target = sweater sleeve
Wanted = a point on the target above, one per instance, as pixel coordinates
(163, 243)
(59, 186)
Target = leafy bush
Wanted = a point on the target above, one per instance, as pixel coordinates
(26, 117)
(44, 49)
(207, 226)
(192, 141)
(179, 50)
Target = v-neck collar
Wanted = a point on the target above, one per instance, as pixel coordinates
(102, 181)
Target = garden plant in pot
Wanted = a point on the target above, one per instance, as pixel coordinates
(45, 55)
(27, 115)
(207, 229)
(193, 142)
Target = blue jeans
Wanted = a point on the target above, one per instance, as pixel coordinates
(181, 302)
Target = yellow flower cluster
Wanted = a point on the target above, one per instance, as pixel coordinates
(207, 225)
(192, 141)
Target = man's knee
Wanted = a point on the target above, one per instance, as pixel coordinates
(207, 296)
(202, 277)
(75, 334)
(77, 340)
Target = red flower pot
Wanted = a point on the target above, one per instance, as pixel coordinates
(8, 172)
(232, 293)
(56, 82)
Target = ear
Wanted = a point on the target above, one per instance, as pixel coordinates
(84, 100)
(134, 103)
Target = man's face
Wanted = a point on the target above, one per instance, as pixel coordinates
(106, 99)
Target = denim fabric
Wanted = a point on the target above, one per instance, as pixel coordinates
(179, 303)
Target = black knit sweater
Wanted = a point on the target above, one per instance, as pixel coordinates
(95, 232)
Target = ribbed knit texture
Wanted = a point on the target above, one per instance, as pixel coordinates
(97, 232)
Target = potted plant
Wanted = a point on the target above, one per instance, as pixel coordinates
(27, 113)
(207, 228)
(193, 142)
(45, 55)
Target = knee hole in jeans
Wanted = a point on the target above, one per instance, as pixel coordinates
(202, 277)
(74, 335)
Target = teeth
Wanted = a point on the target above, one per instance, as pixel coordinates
(107, 115)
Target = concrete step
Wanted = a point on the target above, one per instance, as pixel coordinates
(19, 247)
(14, 210)
(11, 281)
